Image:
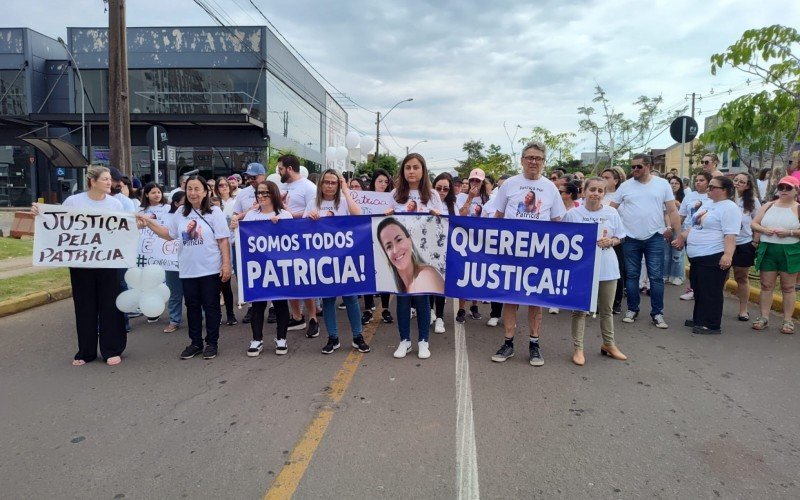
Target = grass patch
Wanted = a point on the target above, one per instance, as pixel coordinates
(35, 282)
(12, 247)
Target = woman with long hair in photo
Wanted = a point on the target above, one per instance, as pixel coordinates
(381, 183)
(747, 199)
(268, 207)
(154, 205)
(203, 259)
(333, 199)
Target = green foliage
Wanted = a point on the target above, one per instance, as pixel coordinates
(559, 146)
(386, 162)
(492, 161)
(762, 121)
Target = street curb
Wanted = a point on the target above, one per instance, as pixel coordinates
(19, 304)
(777, 301)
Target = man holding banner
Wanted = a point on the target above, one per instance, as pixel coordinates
(510, 203)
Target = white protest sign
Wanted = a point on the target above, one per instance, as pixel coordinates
(372, 203)
(155, 251)
(75, 237)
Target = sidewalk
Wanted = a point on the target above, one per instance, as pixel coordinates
(18, 266)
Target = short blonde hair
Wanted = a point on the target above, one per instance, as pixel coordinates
(94, 172)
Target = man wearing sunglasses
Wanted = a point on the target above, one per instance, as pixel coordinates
(642, 202)
(710, 163)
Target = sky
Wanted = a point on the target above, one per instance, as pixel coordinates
(488, 70)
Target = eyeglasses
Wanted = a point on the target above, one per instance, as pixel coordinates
(442, 189)
(706, 162)
(263, 193)
(533, 159)
(562, 192)
(330, 183)
(715, 187)
(740, 181)
(785, 187)
(637, 166)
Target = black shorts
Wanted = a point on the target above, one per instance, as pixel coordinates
(744, 255)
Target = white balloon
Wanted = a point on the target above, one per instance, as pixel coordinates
(164, 291)
(303, 172)
(454, 173)
(276, 178)
(330, 154)
(367, 144)
(133, 277)
(151, 304)
(128, 301)
(341, 153)
(152, 276)
(352, 140)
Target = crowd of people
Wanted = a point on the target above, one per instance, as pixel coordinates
(649, 226)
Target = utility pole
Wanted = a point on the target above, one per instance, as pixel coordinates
(119, 120)
(377, 136)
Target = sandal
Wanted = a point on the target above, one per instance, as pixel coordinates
(113, 361)
(744, 317)
(760, 323)
(170, 328)
(787, 327)
(78, 362)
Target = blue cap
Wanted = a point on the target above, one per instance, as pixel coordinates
(256, 169)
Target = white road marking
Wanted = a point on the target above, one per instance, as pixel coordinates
(466, 451)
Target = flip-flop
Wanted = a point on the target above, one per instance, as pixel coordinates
(78, 362)
(113, 361)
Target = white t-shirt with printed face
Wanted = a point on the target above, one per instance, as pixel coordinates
(610, 227)
(82, 200)
(690, 205)
(521, 198)
(414, 203)
(641, 206)
(199, 254)
(710, 226)
(298, 195)
(327, 208)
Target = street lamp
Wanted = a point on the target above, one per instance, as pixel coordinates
(378, 125)
(83, 97)
(409, 149)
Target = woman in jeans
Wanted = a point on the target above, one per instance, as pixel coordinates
(674, 266)
(175, 302)
(381, 183)
(204, 257)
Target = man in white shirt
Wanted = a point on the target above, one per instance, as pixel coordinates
(527, 196)
(299, 192)
(116, 190)
(255, 174)
(642, 202)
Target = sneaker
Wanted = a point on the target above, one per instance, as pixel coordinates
(677, 281)
(689, 295)
(171, 328)
(255, 348)
(630, 316)
(439, 328)
(280, 347)
(534, 356)
(332, 345)
(386, 316)
(554, 310)
(358, 343)
(271, 317)
(313, 329)
(506, 351)
(248, 315)
(616, 310)
(423, 351)
(210, 352)
(341, 306)
(152, 320)
(231, 321)
(134, 315)
(366, 317)
(433, 316)
(461, 316)
(297, 324)
(493, 322)
(473, 313)
(413, 312)
(403, 348)
(658, 320)
(191, 351)
(704, 330)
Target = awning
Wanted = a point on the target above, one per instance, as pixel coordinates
(59, 152)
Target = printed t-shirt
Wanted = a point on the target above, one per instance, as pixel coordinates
(691, 203)
(521, 198)
(641, 206)
(435, 203)
(710, 226)
(82, 200)
(327, 208)
(610, 227)
(199, 254)
(258, 215)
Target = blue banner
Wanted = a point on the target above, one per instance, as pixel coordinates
(549, 264)
(304, 258)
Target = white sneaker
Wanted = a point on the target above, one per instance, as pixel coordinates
(403, 348)
(658, 320)
(255, 348)
(553, 310)
(280, 347)
(413, 312)
(439, 328)
(677, 281)
(433, 316)
(688, 295)
(630, 316)
(493, 322)
(424, 352)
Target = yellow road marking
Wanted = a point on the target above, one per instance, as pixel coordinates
(287, 480)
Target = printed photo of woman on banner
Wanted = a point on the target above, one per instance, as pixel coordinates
(410, 253)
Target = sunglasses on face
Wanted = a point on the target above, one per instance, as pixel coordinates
(785, 187)
(636, 167)
(706, 162)
(442, 189)
(715, 187)
(263, 193)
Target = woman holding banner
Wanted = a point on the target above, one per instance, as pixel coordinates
(153, 205)
(270, 207)
(381, 183)
(204, 257)
(94, 291)
(443, 185)
(612, 233)
(333, 197)
(413, 185)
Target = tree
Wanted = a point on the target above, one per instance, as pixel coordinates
(493, 161)
(559, 146)
(764, 122)
(617, 135)
(386, 162)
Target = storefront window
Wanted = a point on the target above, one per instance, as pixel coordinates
(12, 92)
(291, 116)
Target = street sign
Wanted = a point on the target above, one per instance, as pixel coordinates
(158, 134)
(676, 129)
(61, 172)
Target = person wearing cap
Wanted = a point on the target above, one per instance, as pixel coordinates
(778, 252)
(457, 186)
(245, 200)
(472, 205)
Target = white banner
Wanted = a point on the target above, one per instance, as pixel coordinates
(155, 251)
(75, 237)
(372, 203)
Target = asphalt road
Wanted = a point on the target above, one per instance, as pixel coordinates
(685, 417)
